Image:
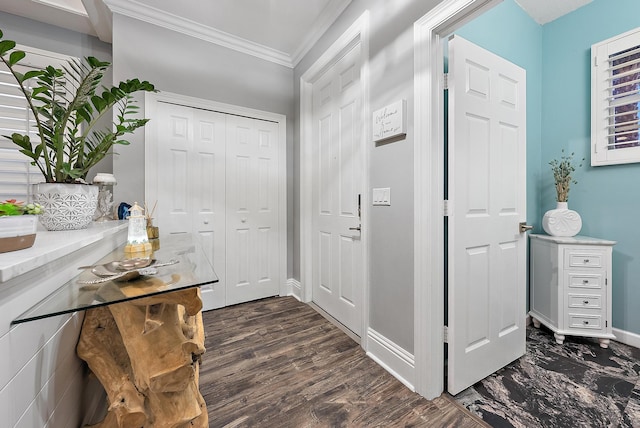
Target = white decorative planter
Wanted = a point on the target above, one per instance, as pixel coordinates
(17, 232)
(66, 206)
(562, 221)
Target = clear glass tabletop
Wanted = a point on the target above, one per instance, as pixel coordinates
(179, 263)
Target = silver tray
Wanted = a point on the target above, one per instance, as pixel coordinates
(117, 267)
(125, 270)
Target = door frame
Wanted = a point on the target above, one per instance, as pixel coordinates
(428, 148)
(356, 34)
(151, 102)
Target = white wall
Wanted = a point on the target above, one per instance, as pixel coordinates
(186, 65)
(42, 381)
(51, 38)
(391, 70)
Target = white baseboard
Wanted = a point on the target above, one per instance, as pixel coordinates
(626, 337)
(295, 288)
(393, 358)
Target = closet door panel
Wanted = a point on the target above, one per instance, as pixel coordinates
(252, 217)
(191, 184)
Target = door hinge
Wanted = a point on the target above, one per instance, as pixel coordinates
(445, 208)
(595, 61)
(606, 281)
(606, 323)
(445, 81)
(445, 334)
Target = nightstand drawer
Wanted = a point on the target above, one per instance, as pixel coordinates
(584, 259)
(585, 301)
(581, 321)
(585, 280)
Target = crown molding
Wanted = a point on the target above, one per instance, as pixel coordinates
(329, 15)
(134, 9)
(152, 15)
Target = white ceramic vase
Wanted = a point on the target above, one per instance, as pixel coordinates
(562, 221)
(66, 206)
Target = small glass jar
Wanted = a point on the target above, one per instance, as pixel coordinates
(105, 196)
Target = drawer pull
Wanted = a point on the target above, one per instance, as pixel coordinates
(585, 281)
(586, 260)
(586, 302)
(585, 322)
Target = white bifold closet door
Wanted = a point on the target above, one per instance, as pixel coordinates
(217, 181)
(252, 209)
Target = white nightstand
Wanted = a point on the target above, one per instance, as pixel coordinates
(570, 287)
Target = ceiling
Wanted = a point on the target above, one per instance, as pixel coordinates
(544, 11)
(281, 31)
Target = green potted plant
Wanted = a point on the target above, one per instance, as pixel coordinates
(67, 105)
(18, 224)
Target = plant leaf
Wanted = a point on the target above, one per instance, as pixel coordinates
(6, 46)
(15, 57)
(31, 74)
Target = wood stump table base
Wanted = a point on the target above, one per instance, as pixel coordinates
(146, 353)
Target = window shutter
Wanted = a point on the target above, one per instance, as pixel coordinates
(16, 171)
(615, 97)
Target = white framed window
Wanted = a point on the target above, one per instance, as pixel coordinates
(615, 100)
(16, 171)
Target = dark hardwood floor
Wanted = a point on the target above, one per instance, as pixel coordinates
(278, 363)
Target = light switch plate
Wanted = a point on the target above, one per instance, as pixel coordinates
(382, 196)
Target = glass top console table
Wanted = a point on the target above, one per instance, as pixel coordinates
(190, 268)
(142, 338)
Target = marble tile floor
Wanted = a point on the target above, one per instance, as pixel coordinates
(577, 384)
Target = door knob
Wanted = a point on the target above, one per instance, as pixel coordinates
(355, 228)
(524, 227)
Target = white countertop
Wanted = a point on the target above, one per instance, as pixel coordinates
(50, 246)
(578, 239)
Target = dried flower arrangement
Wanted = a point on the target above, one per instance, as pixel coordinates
(562, 171)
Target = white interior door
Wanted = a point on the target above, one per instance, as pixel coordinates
(252, 209)
(487, 201)
(337, 251)
(191, 184)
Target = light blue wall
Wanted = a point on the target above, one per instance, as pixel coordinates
(607, 197)
(509, 32)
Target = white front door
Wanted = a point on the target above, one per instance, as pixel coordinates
(337, 251)
(252, 209)
(487, 201)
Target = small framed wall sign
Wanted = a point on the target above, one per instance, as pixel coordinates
(390, 121)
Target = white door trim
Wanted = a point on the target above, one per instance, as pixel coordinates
(151, 156)
(428, 148)
(358, 33)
